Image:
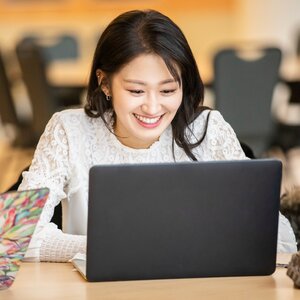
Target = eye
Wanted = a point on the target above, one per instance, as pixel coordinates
(136, 92)
(168, 92)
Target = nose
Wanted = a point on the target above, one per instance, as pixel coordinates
(151, 105)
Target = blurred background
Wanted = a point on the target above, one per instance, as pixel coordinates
(248, 53)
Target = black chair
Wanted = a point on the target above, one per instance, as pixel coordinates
(45, 99)
(8, 112)
(244, 81)
(24, 136)
(60, 47)
(298, 44)
(288, 135)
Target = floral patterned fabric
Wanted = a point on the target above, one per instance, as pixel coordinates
(19, 214)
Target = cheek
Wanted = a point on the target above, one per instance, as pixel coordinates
(123, 104)
(175, 104)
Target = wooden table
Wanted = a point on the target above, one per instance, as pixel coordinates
(69, 72)
(57, 281)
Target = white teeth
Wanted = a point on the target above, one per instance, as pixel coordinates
(147, 120)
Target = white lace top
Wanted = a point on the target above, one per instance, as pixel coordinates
(73, 142)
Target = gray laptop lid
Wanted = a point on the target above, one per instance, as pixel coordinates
(183, 220)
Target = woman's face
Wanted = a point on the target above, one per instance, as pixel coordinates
(145, 98)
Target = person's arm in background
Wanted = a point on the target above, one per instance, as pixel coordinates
(50, 168)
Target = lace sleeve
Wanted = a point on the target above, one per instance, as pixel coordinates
(50, 168)
(222, 140)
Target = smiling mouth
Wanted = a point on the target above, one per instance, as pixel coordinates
(149, 121)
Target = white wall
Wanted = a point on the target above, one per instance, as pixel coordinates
(276, 21)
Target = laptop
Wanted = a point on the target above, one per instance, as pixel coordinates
(19, 214)
(182, 220)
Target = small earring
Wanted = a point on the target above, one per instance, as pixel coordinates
(99, 80)
(108, 98)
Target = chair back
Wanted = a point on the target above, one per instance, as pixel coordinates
(244, 83)
(43, 103)
(55, 48)
(298, 44)
(8, 113)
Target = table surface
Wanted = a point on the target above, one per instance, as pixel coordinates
(60, 281)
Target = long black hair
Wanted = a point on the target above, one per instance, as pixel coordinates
(143, 32)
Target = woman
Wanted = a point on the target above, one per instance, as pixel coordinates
(144, 104)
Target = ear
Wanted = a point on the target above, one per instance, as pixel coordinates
(103, 82)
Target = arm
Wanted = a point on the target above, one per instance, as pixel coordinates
(50, 168)
(286, 237)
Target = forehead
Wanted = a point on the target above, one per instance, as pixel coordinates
(145, 67)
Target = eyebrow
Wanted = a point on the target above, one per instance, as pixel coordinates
(143, 83)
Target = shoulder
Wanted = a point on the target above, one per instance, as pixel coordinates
(74, 118)
(213, 119)
(67, 114)
(75, 126)
(209, 115)
(208, 120)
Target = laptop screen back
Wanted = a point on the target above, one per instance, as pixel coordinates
(183, 220)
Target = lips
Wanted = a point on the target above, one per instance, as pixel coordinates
(147, 121)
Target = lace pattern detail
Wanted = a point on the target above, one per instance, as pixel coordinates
(220, 142)
(286, 238)
(67, 246)
(50, 166)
